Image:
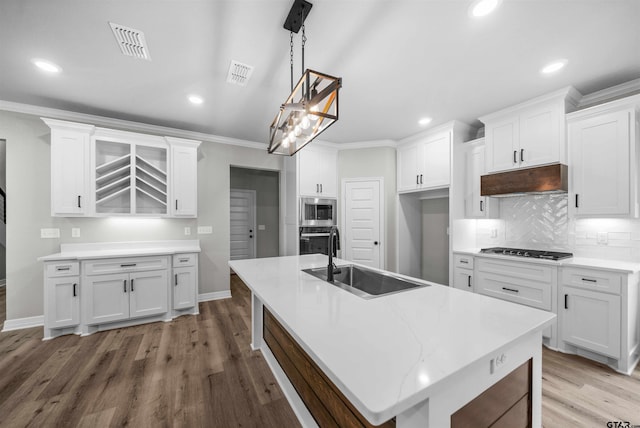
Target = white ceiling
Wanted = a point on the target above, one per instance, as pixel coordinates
(400, 60)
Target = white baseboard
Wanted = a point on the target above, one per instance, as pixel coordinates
(20, 323)
(215, 295)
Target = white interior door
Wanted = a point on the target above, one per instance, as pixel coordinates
(243, 224)
(363, 214)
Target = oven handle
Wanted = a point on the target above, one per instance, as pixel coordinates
(314, 235)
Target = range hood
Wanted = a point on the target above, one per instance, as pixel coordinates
(541, 179)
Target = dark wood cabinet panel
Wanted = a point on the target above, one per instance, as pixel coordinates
(325, 402)
(508, 398)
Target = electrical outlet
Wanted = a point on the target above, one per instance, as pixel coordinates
(203, 230)
(187, 230)
(494, 233)
(602, 238)
(497, 362)
(49, 233)
(75, 232)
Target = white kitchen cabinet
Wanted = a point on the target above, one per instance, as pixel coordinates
(424, 164)
(603, 161)
(121, 289)
(62, 298)
(103, 172)
(184, 179)
(477, 206)
(528, 134)
(185, 280)
(591, 320)
(528, 283)
(598, 316)
(463, 272)
(318, 172)
(69, 167)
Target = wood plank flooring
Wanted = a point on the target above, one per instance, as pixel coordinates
(200, 372)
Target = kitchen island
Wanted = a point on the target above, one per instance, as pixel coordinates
(414, 358)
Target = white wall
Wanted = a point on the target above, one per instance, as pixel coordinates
(375, 162)
(28, 184)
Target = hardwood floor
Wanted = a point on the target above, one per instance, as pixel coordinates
(200, 372)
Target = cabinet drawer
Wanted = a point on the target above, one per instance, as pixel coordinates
(131, 264)
(592, 279)
(62, 269)
(526, 292)
(524, 270)
(463, 261)
(184, 260)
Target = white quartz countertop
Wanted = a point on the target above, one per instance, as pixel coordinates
(389, 353)
(579, 262)
(100, 250)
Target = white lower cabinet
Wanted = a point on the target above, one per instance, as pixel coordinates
(598, 316)
(185, 280)
(98, 294)
(463, 272)
(591, 320)
(62, 298)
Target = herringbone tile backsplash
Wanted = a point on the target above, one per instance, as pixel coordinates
(536, 221)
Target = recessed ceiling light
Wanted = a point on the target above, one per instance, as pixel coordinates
(480, 8)
(554, 66)
(425, 121)
(47, 66)
(195, 99)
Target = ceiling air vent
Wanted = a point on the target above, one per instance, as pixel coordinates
(239, 74)
(131, 41)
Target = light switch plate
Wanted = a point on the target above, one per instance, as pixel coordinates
(262, 227)
(202, 230)
(75, 232)
(187, 230)
(49, 233)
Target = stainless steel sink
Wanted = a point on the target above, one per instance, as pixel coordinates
(365, 283)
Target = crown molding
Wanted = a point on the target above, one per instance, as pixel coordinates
(367, 144)
(631, 87)
(108, 122)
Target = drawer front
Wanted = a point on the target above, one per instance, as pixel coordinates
(121, 265)
(180, 260)
(463, 261)
(524, 270)
(592, 279)
(53, 270)
(526, 292)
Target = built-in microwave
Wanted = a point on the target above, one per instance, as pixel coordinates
(318, 212)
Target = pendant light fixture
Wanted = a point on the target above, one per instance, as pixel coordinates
(313, 104)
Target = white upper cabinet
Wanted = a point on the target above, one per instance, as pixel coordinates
(603, 161)
(184, 178)
(70, 149)
(424, 164)
(318, 171)
(477, 206)
(101, 172)
(529, 134)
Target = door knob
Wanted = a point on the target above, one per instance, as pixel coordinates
(250, 236)
(375, 242)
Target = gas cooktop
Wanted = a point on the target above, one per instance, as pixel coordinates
(534, 254)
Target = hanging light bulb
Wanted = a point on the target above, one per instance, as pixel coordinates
(312, 110)
(285, 142)
(292, 137)
(297, 130)
(305, 122)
